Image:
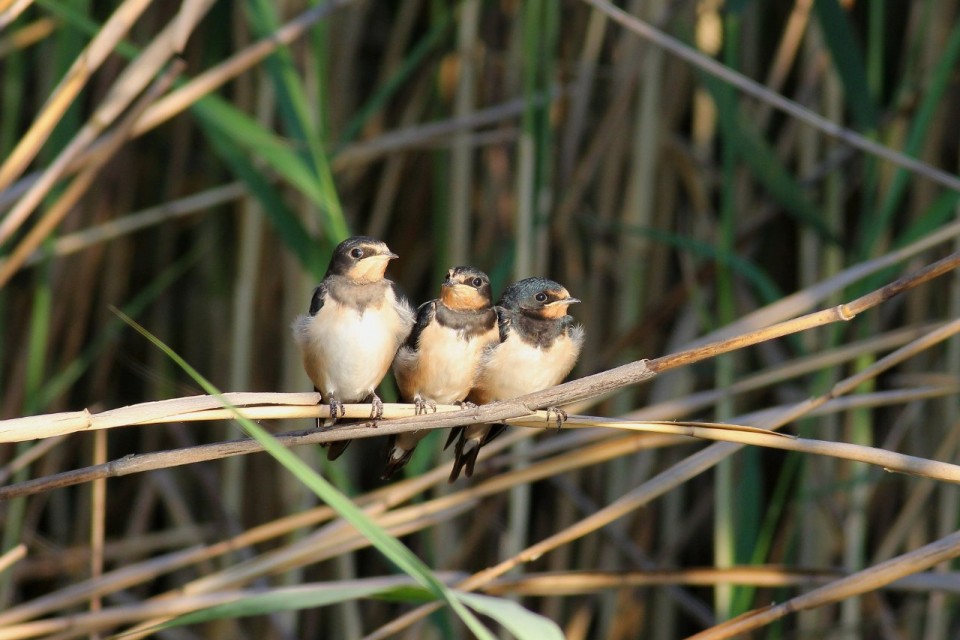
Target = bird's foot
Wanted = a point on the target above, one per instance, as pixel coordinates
(465, 404)
(376, 409)
(421, 406)
(559, 415)
(337, 410)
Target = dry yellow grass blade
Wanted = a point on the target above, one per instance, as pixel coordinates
(584, 582)
(131, 82)
(10, 10)
(859, 583)
(13, 556)
(102, 45)
(746, 435)
(56, 213)
(27, 35)
(196, 204)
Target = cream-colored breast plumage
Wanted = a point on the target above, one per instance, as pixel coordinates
(444, 368)
(516, 367)
(345, 352)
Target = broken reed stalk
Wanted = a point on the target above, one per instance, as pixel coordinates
(525, 406)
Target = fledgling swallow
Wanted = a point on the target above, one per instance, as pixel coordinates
(440, 360)
(539, 345)
(357, 321)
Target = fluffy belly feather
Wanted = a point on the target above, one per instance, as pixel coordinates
(516, 368)
(346, 354)
(444, 368)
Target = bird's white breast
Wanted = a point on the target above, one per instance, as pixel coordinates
(346, 353)
(445, 366)
(515, 368)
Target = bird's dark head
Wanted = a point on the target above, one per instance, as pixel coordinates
(466, 288)
(538, 297)
(361, 258)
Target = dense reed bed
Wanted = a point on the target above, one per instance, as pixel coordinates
(756, 202)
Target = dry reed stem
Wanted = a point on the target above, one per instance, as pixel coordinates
(26, 458)
(776, 100)
(494, 485)
(20, 429)
(889, 460)
(165, 459)
(130, 83)
(47, 563)
(875, 577)
(65, 203)
(232, 67)
(562, 394)
(13, 556)
(567, 583)
(351, 156)
(842, 312)
(98, 516)
(698, 462)
(197, 203)
(10, 9)
(185, 603)
(27, 35)
(464, 499)
(376, 502)
(451, 504)
(445, 505)
(63, 95)
(915, 503)
(331, 541)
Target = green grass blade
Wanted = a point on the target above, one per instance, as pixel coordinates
(517, 620)
(763, 162)
(64, 379)
(916, 137)
(297, 598)
(391, 548)
(295, 112)
(848, 59)
(427, 44)
(284, 220)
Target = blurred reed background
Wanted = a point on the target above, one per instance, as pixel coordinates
(523, 138)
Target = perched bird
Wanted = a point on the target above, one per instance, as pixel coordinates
(357, 321)
(441, 358)
(539, 344)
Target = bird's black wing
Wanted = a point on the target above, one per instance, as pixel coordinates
(425, 315)
(567, 323)
(402, 300)
(319, 297)
(503, 322)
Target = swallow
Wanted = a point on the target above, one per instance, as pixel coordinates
(538, 346)
(440, 360)
(356, 323)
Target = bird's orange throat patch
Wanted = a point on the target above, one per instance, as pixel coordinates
(555, 310)
(462, 297)
(369, 269)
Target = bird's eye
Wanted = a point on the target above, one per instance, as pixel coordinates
(478, 282)
(541, 297)
(356, 253)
